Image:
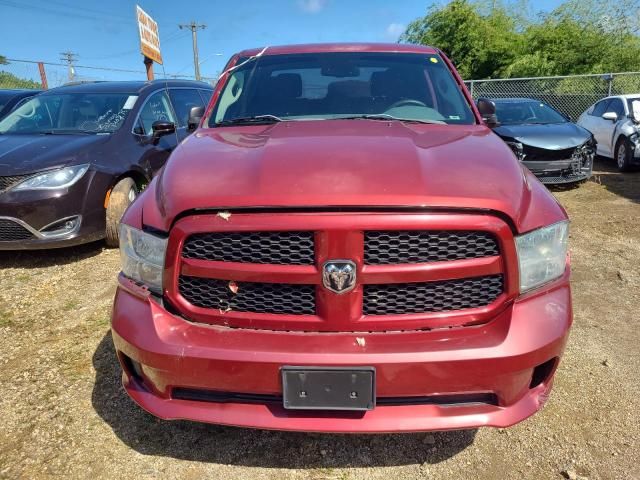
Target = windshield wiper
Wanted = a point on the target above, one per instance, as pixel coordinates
(63, 132)
(386, 116)
(256, 119)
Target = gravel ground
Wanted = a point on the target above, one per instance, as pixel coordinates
(64, 413)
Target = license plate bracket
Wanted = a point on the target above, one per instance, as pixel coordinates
(328, 388)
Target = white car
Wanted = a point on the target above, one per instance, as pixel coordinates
(615, 123)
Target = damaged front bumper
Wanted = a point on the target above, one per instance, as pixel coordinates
(558, 167)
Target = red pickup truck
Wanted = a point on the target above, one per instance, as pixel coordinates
(343, 245)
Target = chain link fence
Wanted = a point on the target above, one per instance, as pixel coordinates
(32, 74)
(571, 95)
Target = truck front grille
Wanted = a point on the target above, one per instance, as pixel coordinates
(274, 298)
(410, 246)
(277, 248)
(11, 231)
(442, 296)
(413, 270)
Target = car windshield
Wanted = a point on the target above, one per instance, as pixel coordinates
(413, 87)
(70, 113)
(4, 99)
(514, 113)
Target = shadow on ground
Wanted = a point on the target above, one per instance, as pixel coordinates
(48, 258)
(237, 446)
(625, 184)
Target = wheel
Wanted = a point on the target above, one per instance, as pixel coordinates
(122, 195)
(623, 154)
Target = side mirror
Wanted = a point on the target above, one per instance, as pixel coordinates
(195, 115)
(162, 127)
(488, 111)
(613, 116)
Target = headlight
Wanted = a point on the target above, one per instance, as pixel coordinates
(542, 255)
(142, 256)
(60, 178)
(518, 149)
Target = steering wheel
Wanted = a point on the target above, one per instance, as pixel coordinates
(407, 102)
(30, 114)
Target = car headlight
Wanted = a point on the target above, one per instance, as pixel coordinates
(542, 255)
(59, 178)
(142, 255)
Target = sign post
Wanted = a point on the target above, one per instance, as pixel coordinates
(149, 40)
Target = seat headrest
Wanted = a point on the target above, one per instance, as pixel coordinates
(349, 88)
(287, 85)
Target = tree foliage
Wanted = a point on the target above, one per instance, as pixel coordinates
(491, 40)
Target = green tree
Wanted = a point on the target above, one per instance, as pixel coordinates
(503, 40)
(9, 80)
(479, 44)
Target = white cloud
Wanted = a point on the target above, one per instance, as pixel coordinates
(394, 30)
(312, 6)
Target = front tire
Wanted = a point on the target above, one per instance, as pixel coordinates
(623, 154)
(122, 195)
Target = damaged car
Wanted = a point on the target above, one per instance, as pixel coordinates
(556, 150)
(614, 123)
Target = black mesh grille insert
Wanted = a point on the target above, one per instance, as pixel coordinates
(441, 296)
(10, 181)
(393, 247)
(277, 298)
(281, 248)
(12, 231)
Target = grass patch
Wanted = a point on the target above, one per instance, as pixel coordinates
(6, 319)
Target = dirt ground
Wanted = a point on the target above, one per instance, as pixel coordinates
(64, 414)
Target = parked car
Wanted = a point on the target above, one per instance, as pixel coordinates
(615, 126)
(343, 246)
(73, 158)
(547, 142)
(13, 98)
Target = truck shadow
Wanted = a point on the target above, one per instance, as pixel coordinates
(48, 258)
(260, 448)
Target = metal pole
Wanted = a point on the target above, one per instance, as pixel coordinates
(148, 63)
(43, 76)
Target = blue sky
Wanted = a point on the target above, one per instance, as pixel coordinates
(104, 33)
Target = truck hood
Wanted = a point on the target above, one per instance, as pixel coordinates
(553, 136)
(23, 154)
(343, 163)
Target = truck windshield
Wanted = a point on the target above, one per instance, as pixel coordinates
(70, 113)
(418, 87)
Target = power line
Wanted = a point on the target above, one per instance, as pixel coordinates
(193, 26)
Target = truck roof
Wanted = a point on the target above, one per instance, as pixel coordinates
(339, 47)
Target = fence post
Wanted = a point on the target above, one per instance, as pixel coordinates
(471, 87)
(610, 81)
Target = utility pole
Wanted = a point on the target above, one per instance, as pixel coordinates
(69, 57)
(193, 26)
